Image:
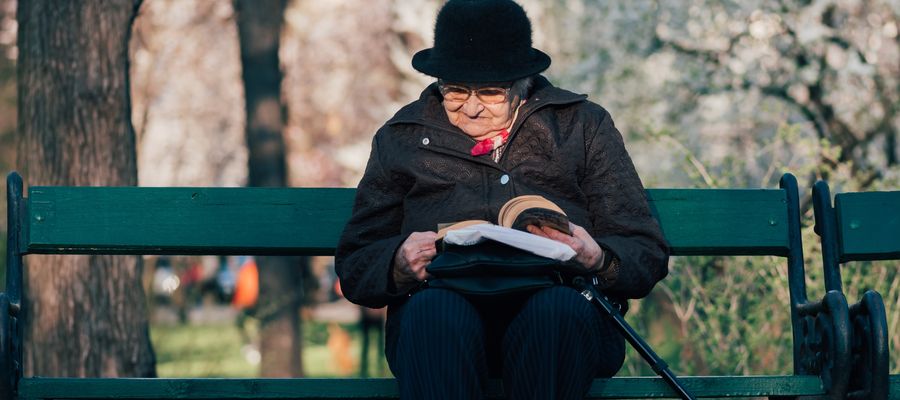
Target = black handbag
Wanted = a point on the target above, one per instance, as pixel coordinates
(492, 268)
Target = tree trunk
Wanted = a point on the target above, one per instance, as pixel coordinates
(86, 315)
(259, 28)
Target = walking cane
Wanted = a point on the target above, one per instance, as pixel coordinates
(657, 364)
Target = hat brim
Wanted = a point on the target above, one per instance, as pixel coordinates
(456, 70)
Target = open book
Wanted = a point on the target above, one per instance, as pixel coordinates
(511, 225)
(518, 213)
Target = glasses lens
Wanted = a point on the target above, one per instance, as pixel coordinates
(454, 93)
(492, 95)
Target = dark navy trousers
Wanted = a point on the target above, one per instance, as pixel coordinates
(548, 344)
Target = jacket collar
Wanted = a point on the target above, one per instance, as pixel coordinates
(428, 111)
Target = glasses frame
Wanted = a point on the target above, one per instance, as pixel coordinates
(470, 91)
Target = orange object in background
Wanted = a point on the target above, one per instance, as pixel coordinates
(339, 342)
(246, 289)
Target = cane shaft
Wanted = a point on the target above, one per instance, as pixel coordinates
(656, 363)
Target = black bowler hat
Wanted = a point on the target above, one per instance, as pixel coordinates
(478, 41)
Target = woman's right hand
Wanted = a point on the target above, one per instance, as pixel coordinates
(412, 257)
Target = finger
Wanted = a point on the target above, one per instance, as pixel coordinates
(429, 246)
(535, 230)
(423, 258)
(426, 255)
(424, 236)
(559, 236)
(418, 243)
(419, 240)
(430, 236)
(412, 254)
(422, 273)
(425, 250)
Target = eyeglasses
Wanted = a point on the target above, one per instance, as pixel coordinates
(459, 94)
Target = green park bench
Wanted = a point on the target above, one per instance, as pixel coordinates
(861, 227)
(308, 221)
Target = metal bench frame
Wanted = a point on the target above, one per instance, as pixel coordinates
(861, 227)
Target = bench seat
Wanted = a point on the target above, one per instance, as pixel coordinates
(385, 388)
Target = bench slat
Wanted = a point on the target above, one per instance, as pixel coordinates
(868, 224)
(722, 221)
(355, 388)
(129, 220)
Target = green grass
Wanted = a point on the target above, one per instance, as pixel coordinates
(204, 351)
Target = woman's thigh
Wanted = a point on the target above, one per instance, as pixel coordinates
(558, 325)
(439, 323)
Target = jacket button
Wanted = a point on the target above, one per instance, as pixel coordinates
(425, 141)
(504, 179)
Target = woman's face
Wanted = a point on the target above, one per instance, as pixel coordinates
(479, 111)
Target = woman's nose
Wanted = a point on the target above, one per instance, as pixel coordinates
(472, 107)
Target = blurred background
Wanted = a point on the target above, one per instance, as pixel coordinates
(706, 93)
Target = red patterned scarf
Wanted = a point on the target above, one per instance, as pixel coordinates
(490, 144)
(487, 145)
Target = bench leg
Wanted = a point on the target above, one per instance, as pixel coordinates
(870, 348)
(824, 345)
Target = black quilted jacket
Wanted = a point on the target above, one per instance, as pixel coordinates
(420, 173)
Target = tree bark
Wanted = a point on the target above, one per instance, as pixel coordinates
(259, 28)
(86, 315)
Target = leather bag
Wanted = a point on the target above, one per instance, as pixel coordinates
(491, 268)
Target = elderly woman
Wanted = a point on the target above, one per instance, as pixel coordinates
(488, 130)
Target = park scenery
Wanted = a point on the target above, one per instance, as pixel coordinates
(289, 93)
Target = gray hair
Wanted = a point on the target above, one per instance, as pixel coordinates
(520, 89)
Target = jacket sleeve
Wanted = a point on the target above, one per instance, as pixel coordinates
(365, 253)
(621, 219)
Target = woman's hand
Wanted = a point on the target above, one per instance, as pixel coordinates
(587, 251)
(412, 257)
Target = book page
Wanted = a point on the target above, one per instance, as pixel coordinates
(444, 228)
(522, 240)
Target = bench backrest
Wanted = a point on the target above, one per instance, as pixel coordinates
(308, 221)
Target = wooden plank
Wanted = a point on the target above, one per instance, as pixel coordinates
(103, 220)
(868, 225)
(355, 388)
(894, 387)
(130, 220)
(722, 221)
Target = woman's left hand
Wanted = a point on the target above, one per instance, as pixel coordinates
(587, 251)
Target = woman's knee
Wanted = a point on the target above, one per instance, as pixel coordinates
(441, 310)
(558, 305)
